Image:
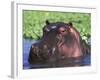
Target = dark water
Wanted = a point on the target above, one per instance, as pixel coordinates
(26, 47)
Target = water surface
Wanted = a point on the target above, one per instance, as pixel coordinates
(26, 47)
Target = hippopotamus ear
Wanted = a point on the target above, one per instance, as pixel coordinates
(47, 22)
(70, 24)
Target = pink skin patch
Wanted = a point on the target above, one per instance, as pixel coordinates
(69, 51)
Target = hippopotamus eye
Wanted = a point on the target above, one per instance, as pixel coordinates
(62, 29)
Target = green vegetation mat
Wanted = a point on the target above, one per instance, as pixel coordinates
(34, 21)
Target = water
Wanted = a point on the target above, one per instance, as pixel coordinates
(26, 47)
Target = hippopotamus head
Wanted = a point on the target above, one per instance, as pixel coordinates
(60, 41)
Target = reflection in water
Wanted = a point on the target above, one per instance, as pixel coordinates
(26, 47)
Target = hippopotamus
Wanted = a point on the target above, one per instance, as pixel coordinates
(60, 45)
